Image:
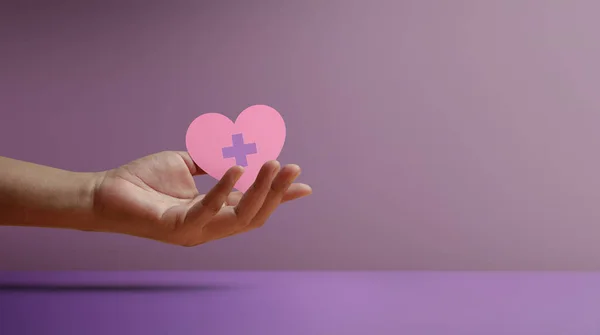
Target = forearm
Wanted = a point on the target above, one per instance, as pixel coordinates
(40, 196)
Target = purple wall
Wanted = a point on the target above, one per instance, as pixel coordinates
(436, 134)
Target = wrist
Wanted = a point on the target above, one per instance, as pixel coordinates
(73, 207)
(106, 213)
(83, 214)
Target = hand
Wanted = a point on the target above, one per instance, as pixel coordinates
(155, 197)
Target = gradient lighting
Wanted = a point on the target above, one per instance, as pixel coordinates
(437, 135)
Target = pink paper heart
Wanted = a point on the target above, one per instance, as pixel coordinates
(216, 143)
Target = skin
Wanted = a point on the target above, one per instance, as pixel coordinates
(154, 197)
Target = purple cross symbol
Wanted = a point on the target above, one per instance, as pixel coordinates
(239, 150)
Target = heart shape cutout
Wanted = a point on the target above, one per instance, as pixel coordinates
(216, 144)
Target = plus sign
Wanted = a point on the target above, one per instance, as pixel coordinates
(239, 150)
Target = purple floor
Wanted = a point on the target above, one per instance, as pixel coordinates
(289, 303)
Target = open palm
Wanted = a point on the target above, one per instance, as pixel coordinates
(156, 197)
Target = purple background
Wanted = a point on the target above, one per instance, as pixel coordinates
(436, 134)
(294, 303)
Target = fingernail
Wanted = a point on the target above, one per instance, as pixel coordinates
(240, 172)
(276, 167)
(291, 180)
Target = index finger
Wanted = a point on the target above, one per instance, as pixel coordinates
(213, 201)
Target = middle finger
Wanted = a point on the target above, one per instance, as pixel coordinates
(253, 199)
(280, 185)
